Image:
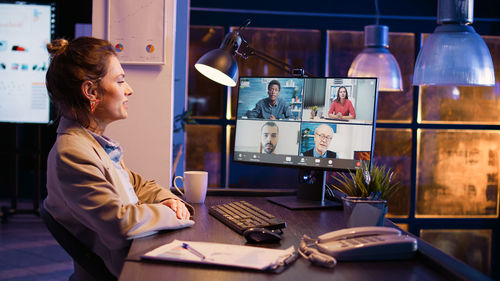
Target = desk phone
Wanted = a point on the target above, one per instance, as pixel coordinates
(367, 243)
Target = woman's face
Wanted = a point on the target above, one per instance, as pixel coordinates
(342, 93)
(114, 94)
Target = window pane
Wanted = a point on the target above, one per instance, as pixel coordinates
(457, 104)
(473, 247)
(297, 47)
(457, 173)
(344, 46)
(393, 149)
(203, 151)
(403, 226)
(204, 96)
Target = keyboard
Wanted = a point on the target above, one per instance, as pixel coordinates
(242, 215)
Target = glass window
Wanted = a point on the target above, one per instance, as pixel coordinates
(205, 97)
(203, 151)
(393, 149)
(344, 46)
(403, 226)
(473, 247)
(457, 173)
(457, 104)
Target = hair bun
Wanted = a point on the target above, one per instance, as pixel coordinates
(57, 47)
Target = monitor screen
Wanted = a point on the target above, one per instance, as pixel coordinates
(320, 123)
(25, 29)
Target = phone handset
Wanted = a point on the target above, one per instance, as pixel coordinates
(357, 232)
(313, 255)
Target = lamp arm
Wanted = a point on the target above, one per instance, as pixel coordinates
(295, 71)
(245, 51)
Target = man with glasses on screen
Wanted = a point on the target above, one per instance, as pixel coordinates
(272, 107)
(322, 137)
(269, 134)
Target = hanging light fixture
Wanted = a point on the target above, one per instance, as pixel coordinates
(376, 60)
(454, 54)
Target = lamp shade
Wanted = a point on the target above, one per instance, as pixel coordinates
(220, 66)
(376, 60)
(454, 55)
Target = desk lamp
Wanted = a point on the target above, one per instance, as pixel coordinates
(220, 65)
(454, 54)
(376, 60)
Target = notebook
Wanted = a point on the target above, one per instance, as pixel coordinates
(223, 254)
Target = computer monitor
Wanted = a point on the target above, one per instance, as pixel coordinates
(25, 28)
(316, 124)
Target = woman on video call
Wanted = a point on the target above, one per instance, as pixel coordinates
(90, 190)
(341, 107)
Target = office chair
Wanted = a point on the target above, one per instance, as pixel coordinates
(82, 256)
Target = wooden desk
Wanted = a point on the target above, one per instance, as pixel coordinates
(428, 264)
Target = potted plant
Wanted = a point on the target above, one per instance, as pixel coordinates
(314, 112)
(365, 194)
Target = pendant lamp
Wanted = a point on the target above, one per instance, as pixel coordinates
(376, 60)
(454, 54)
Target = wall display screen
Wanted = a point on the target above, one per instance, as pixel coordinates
(25, 29)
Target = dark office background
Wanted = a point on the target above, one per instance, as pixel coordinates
(341, 15)
(24, 147)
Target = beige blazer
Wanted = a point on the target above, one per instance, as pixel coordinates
(82, 187)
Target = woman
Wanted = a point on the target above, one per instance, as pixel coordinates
(342, 107)
(90, 190)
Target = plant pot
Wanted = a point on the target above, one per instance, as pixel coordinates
(364, 212)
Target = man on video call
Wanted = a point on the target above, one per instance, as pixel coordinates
(322, 137)
(271, 107)
(269, 134)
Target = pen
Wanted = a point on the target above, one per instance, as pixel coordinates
(192, 250)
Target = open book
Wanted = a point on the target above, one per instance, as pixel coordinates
(223, 254)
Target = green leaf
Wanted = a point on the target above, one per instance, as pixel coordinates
(363, 182)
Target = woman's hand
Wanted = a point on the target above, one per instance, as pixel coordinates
(178, 207)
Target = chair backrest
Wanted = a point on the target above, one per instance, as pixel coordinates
(80, 253)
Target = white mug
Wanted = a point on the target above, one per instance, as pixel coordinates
(195, 186)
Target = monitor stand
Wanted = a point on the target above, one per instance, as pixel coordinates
(310, 193)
